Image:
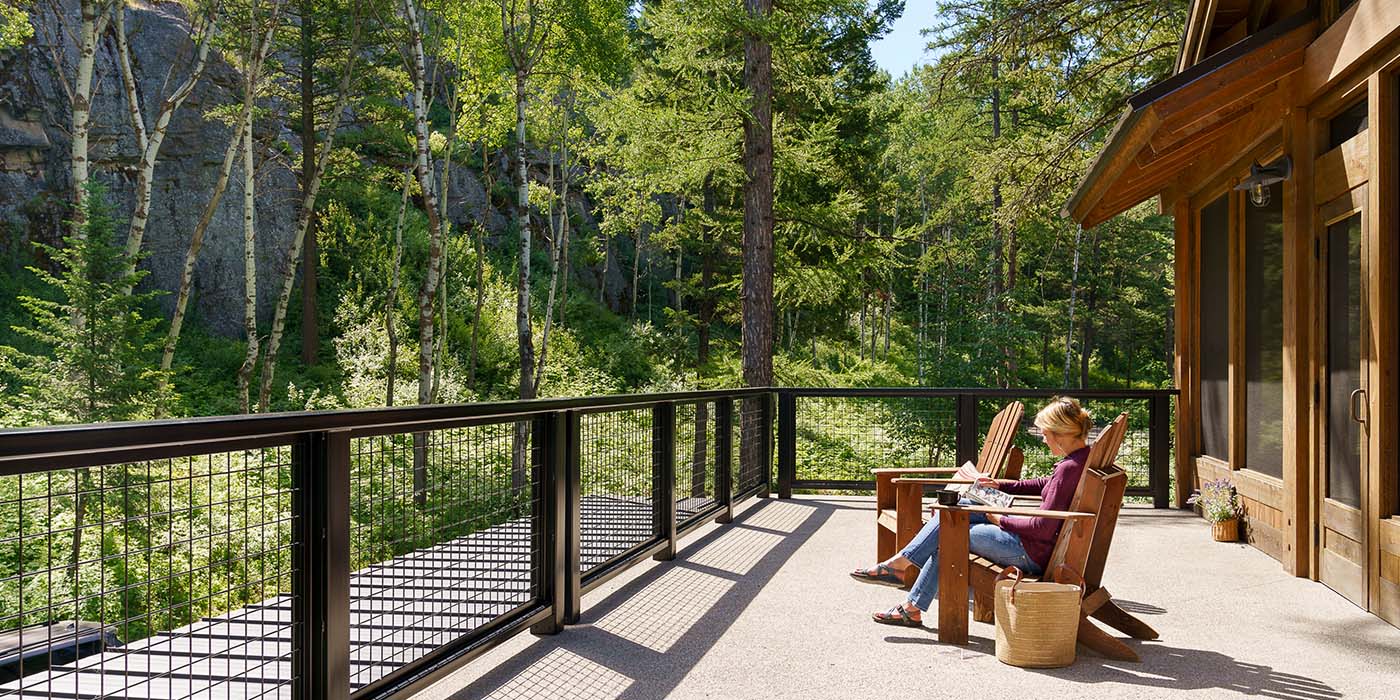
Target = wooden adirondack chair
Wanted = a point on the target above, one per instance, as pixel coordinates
(1082, 547)
(899, 511)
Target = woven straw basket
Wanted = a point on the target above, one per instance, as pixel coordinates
(1036, 622)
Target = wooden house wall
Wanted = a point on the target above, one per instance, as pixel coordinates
(1357, 55)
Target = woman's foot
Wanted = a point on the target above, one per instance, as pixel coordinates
(902, 615)
(881, 574)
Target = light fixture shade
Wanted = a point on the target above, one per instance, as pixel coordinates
(1265, 175)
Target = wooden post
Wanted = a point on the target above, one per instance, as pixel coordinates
(1299, 269)
(1187, 410)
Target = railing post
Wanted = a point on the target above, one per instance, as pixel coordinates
(663, 461)
(1159, 450)
(549, 438)
(765, 434)
(967, 428)
(724, 459)
(573, 518)
(787, 443)
(321, 569)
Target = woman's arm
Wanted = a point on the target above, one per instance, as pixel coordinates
(1024, 487)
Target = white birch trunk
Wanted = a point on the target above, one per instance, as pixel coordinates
(149, 143)
(250, 266)
(95, 16)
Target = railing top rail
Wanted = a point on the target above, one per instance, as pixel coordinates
(28, 443)
(940, 392)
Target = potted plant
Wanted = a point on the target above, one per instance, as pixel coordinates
(1221, 506)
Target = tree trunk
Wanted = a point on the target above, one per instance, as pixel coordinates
(307, 210)
(707, 277)
(757, 305)
(480, 268)
(640, 239)
(310, 331)
(558, 229)
(392, 301)
(523, 330)
(95, 16)
(250, 265)
(1073, 292)
(257, 58)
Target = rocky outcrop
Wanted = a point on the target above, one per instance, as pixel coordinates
(34, 177)
(35, 182)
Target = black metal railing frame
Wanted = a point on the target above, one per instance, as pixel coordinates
(321, 479)
(321, 475)
(968, 430)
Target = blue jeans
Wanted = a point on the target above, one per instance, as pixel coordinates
(984, 539)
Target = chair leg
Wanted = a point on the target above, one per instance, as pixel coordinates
(983, 607)
(1123, 621)
(1105, 644)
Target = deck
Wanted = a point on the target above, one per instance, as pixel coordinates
(764, 609)
(401, 610)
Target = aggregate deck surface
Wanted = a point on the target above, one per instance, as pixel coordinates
(764, 609)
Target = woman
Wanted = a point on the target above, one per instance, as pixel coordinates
(1024, 542)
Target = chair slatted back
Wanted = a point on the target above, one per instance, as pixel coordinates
(1000, 435)
(1100, 491)
(1105, 452)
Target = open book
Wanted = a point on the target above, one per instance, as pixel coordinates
(985, 495)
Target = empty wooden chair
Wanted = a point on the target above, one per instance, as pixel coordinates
(899, 511)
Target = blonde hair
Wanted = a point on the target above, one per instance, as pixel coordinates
(1065, 417)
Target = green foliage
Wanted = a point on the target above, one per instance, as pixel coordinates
(15, 28)
(97, 348)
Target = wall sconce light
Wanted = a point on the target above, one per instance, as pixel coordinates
(1261, 177)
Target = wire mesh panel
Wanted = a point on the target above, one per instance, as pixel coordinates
(616, 472)
(1133, 455)
(442, 527)
(148, 579)
(751, 438)
(695, 458)
(843, 438)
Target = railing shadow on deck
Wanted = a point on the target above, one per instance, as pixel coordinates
(647, 635)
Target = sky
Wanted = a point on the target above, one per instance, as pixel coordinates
(903, 48)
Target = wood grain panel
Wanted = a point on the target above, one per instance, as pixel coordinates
(1342, 168)
(1390, 567)
(1361, 31)
(1264, 514)
(1264, 538)
(1386, 601)
(1342, 576)
(1350, 549)
(1344, 519)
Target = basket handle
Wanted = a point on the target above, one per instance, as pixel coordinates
(1066, 574)
(1014, 574)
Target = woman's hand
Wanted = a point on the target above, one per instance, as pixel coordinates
(994, 519)
(988, 482)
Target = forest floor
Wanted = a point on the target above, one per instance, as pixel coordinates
(764, 609)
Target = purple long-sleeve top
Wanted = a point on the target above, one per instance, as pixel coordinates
(1056, 492)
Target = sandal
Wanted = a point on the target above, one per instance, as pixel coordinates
(897, 616)
(882, 575)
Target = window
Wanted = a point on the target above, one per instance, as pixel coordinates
(1350, 122)
(1215, 328)
(1263, 334)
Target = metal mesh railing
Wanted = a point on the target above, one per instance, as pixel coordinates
(844, 437)
(752, 440)
(149, 579)
(442, 527)
(616, 470)
(1133, 455)
(696, 459)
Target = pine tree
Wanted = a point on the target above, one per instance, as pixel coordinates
(99, 369)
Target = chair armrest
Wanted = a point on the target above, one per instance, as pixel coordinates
(931, 482)
(1027, 512)
(901, 470)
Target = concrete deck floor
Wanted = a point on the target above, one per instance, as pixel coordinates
(764, 609)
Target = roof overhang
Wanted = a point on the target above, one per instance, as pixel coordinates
(1232, 98)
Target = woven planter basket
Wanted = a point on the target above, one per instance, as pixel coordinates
(1037, 622)
(1226, 530)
